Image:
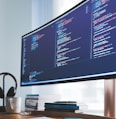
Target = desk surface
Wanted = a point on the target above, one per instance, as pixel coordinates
(14, 116)
(20, 116)
(52, 114)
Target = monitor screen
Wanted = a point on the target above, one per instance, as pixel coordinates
(78, 45)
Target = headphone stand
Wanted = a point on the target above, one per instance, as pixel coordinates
(2, 108)
(11, 92)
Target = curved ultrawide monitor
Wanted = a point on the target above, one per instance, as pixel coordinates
(78, 45)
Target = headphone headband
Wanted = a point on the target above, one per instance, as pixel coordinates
(7, 73)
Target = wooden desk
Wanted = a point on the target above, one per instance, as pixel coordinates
(58, 114)
(14, 116)
(20, 116)
(52, 114)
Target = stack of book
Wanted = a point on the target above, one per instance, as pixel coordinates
(62, 106)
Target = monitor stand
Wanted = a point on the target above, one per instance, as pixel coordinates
(110, 94)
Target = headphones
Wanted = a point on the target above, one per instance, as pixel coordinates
(12, 91)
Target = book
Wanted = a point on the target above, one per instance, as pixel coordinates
(64, 110)
(72, 118)
(66, 102)
(61, 106)
(41, 118)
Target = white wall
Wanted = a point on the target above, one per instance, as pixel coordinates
(42, 12)
(15, 20)
(61, 6)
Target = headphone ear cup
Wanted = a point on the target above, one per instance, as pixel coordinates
(1, 93)
(11, 92)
